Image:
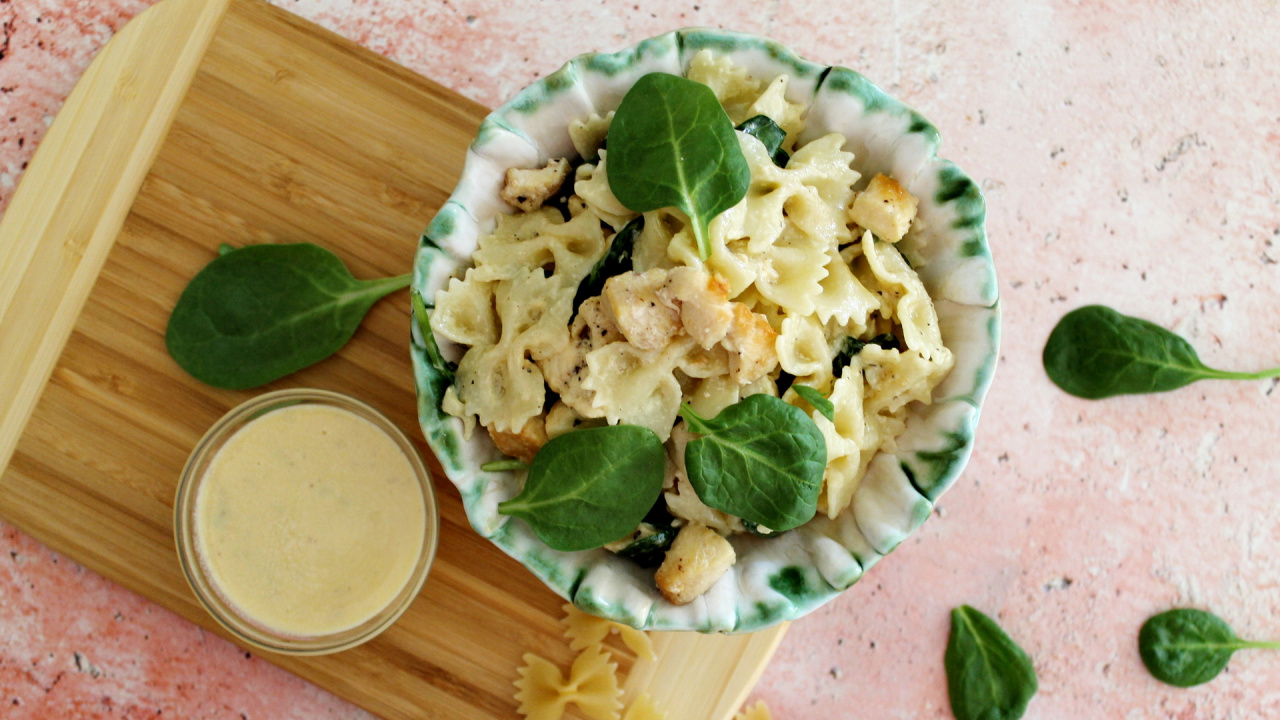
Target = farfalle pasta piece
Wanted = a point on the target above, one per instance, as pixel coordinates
(652, 248)
(812, 194)
(534, 313)
(499, 383)
(843, 299)
(796, 269)
(758, 217)
(773, 103)
(713, 394)
(733, 85)
(635, 386)
(464, 311)
(802, 347)
(501, 388)
(592, 185)
(489, 262)
(642, 708)
(827, 167)
(592, 685)
(780, 237)
(895, 378)
(759, 711)
(845, 437)
(584, 630)
(913, 308)
(451, 405)
(587, 135)
(545, 240)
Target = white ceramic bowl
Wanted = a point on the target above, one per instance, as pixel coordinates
(783, 577)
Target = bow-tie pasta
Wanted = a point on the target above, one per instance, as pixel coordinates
(804, 286)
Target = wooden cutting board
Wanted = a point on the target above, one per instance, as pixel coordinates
(210, 121)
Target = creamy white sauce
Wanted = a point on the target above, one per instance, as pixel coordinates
(309, 520)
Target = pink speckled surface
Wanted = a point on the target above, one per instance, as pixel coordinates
(1130, 157)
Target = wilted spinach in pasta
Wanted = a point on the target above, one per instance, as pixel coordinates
(803, 287)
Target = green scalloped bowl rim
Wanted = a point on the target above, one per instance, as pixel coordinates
(773, 589)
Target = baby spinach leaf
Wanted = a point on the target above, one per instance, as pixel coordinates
(650, 549)
(764, 129)
(258, 313)
(988, 676)
(852, 346)
(760, 459)
(616, 260)
(1095, 352)
(448, 370)
(1186, 647)
(672, 145)
(819, 403)
(503, 465)
(589, 487)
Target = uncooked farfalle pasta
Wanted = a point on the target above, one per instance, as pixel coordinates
(592, 685)
(584, 630)
(543, 693)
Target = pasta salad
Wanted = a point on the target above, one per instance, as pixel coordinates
(581, 313)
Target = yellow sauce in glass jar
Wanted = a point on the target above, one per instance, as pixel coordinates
(307, 522)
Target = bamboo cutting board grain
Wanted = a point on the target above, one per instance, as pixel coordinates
(209, 121)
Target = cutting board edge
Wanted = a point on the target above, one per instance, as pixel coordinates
(39, 239)
(35, 242)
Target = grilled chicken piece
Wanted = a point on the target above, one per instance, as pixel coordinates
(696, 560)
(526, 189)
(885, 208)
(647, 320)
(524, 444)
(564, 372)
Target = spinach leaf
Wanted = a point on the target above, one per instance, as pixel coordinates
(446, 368)
(852, 346)
(1186, 647)
(819, 403)
(616, 260)
(589, 487)
(764, 129)
(650, 548)
(672, 145)
(760, 459)
(503, 465)
(1095, 352)
(988, 676)
(258, 313)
